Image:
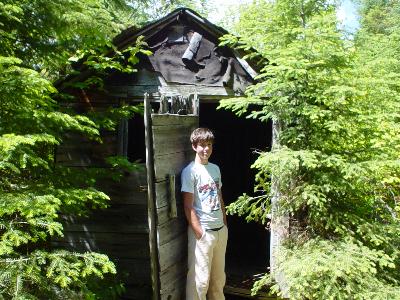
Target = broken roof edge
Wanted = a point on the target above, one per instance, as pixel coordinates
(129, 36)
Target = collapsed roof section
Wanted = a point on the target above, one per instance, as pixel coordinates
(186, 51)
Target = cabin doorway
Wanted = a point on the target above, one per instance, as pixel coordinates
(236, 140)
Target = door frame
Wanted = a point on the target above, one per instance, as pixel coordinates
(168, 150)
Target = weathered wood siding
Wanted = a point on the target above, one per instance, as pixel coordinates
(79, 151)
(172, 151)
(120, 231)
(133, 87)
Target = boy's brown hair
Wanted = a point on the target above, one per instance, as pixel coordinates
(201, 135)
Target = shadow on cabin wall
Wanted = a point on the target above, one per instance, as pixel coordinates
(236, 140)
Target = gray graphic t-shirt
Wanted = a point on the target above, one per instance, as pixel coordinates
(204, 181)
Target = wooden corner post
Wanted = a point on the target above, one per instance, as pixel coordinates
(151, 208)
(279, 220)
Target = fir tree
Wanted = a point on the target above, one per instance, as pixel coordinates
(337, 161)
(36, 38)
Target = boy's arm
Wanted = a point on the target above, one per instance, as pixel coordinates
(222, 206)
(190, 213)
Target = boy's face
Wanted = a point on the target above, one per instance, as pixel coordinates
(203, 150)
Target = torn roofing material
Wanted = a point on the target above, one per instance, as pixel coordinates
(185, 50)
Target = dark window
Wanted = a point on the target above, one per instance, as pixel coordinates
(136, 149)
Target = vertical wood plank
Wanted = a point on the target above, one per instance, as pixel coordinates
(151, 200)
(172, 210)
(279, 221)
(171, 134)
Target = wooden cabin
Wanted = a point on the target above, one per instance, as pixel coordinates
(144, 231)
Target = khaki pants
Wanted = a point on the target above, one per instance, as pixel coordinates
(206, 262)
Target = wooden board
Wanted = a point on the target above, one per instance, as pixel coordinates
(172, 151)
(172, 274)
(98, 226)
(155, 90)
(170, 140)
(164, 216)
(120, 231)
(115, 244)
(171, 230)
(171, 163)
(78, 151)
(175, 290)
(172, 252)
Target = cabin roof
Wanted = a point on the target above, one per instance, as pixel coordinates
(129, 35)
(150, 30)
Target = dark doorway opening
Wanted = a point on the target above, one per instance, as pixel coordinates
(136, 142)
(236, 140)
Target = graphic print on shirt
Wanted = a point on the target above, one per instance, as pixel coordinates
(208, 194)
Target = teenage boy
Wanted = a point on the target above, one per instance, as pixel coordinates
(205, 213)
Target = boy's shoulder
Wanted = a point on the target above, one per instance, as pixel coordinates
(189, 167)
(192, 166)
(213, 169)
(212, 165)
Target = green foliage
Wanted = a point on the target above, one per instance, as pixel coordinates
(33, 194)
(336, 164)
(156, 9)
(46, 275)
(36, 38)
(43, 34)
(110, 118)
(338, 269)
(104, 59)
